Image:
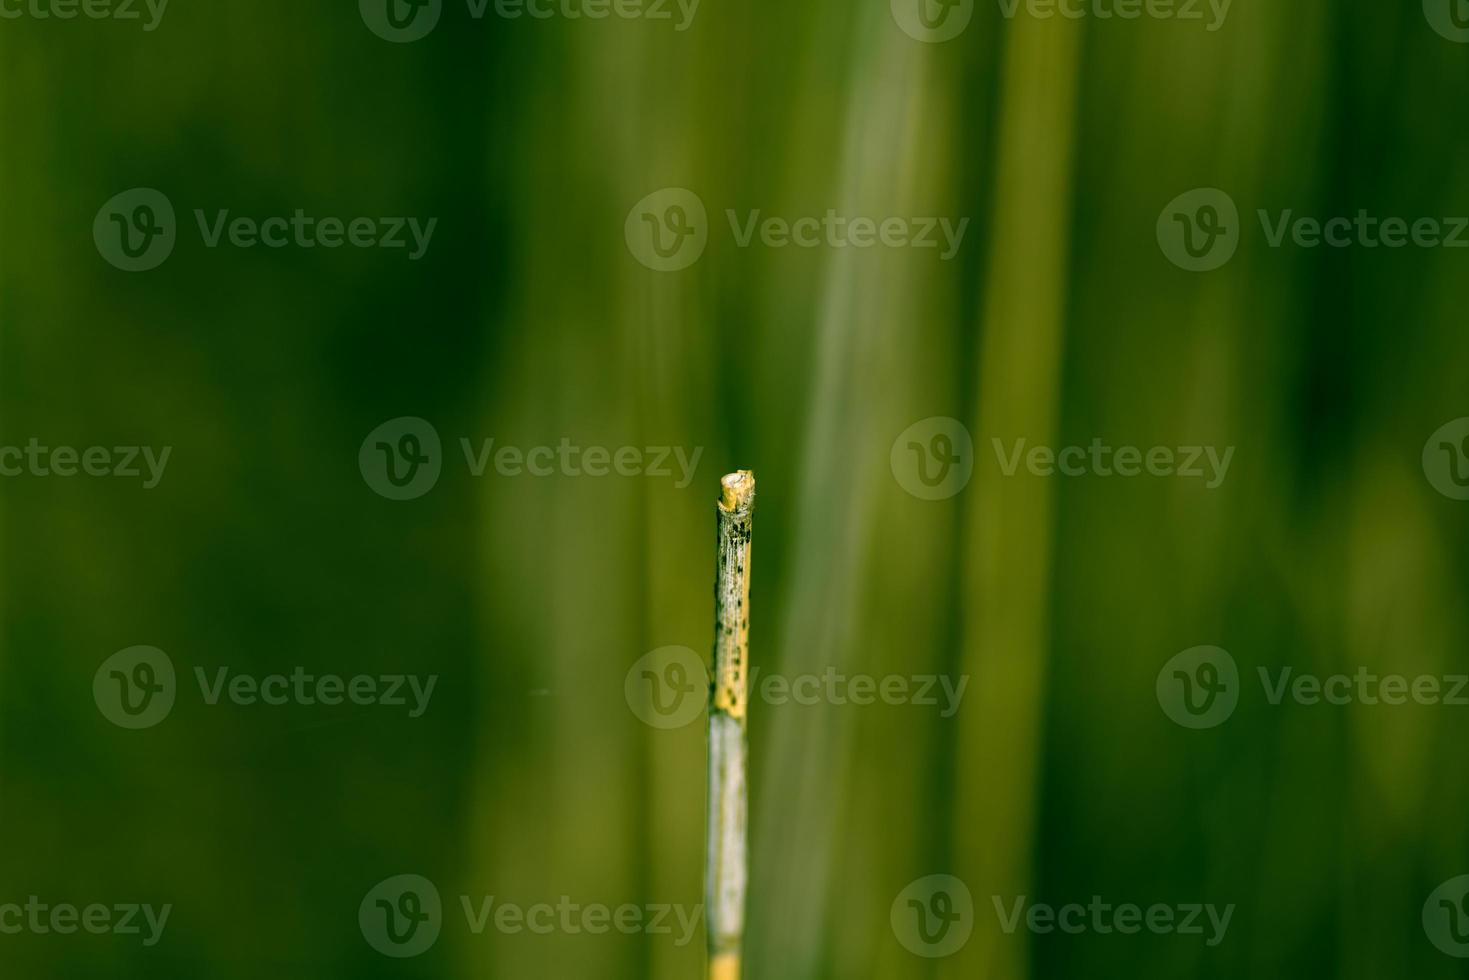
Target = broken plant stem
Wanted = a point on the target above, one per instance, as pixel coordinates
(725, 856)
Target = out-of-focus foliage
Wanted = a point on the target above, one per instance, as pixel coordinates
(529, 321)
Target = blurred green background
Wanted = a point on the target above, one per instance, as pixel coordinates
(530, 321)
